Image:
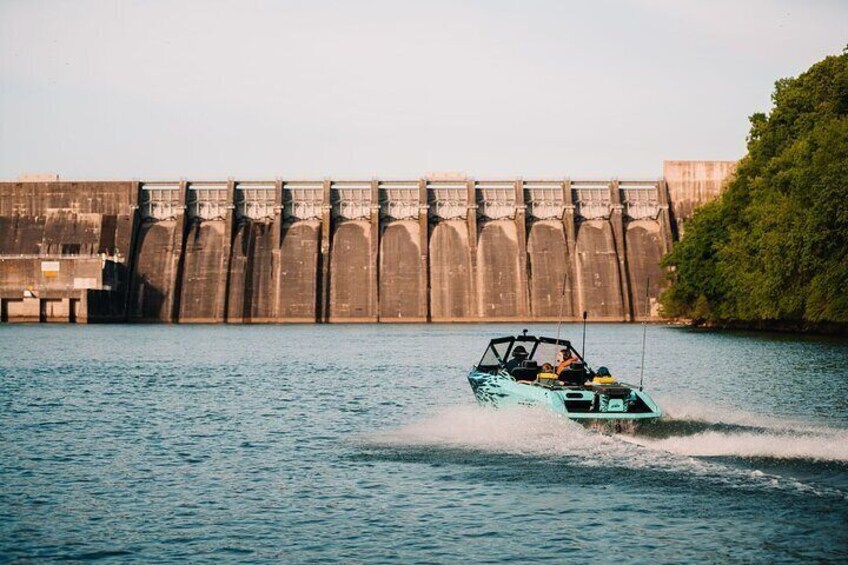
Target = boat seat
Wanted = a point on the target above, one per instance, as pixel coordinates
(616, 391)
(525, 373)
(574, 374)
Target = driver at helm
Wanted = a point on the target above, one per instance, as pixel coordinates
(564, 360)
(519, 354)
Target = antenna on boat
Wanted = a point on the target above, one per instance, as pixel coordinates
(645, 330)
(583, 352)
(561, 303)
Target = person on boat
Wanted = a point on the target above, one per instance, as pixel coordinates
(564, 360)
(602, 377)
(519, 354)
(547, 368)
(547, 376)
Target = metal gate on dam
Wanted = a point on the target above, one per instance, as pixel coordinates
(438, 249)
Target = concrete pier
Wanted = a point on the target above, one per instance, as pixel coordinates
(440, 249)
(204, 270)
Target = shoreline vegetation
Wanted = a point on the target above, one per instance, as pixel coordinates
(771, 326)
(771, 253)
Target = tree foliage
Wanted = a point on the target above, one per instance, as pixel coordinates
(774, 246)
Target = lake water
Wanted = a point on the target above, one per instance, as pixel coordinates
(307, 444)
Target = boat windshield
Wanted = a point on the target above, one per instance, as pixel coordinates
(496, 353)
(539, 349)
(547, 353)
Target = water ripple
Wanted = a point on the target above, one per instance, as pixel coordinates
(253, 444)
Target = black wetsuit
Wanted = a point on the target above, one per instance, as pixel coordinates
(514, 363)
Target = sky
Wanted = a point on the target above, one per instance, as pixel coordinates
(392, 89)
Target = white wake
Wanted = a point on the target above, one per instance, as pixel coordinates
(540, 433)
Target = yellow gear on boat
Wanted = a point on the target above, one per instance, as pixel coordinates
(547, 376)
(603, 380)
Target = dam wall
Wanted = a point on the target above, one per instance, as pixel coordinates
(441, 249)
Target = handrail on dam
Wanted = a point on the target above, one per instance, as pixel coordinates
(441, 248)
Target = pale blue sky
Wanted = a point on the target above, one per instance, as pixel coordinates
(392, 89)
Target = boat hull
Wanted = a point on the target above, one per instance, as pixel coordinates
(591, 405)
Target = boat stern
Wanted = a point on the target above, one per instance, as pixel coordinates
(617, 403)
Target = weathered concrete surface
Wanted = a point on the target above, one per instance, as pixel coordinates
(598, 283)
(36, 198)
(29, 292)
(43, 217)
(69, 233)
(352, 278)
(55, 310)
(21, 235)
(50, 277)
(154, 280)
(84, 228)
(548, 262)
(299, 251)
(694, 183)
(450, 273)
(21, 310)
(54, 232)
(205, 264)
(82, 236)
(644, 253)
(499, 289)
(252, 288)
(400, 273)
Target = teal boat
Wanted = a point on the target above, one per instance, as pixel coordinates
(512, 372)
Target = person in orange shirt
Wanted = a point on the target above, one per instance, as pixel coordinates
(564, 360)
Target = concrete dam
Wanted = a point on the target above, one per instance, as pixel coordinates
(438, 249)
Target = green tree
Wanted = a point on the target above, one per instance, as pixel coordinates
(774, 246)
